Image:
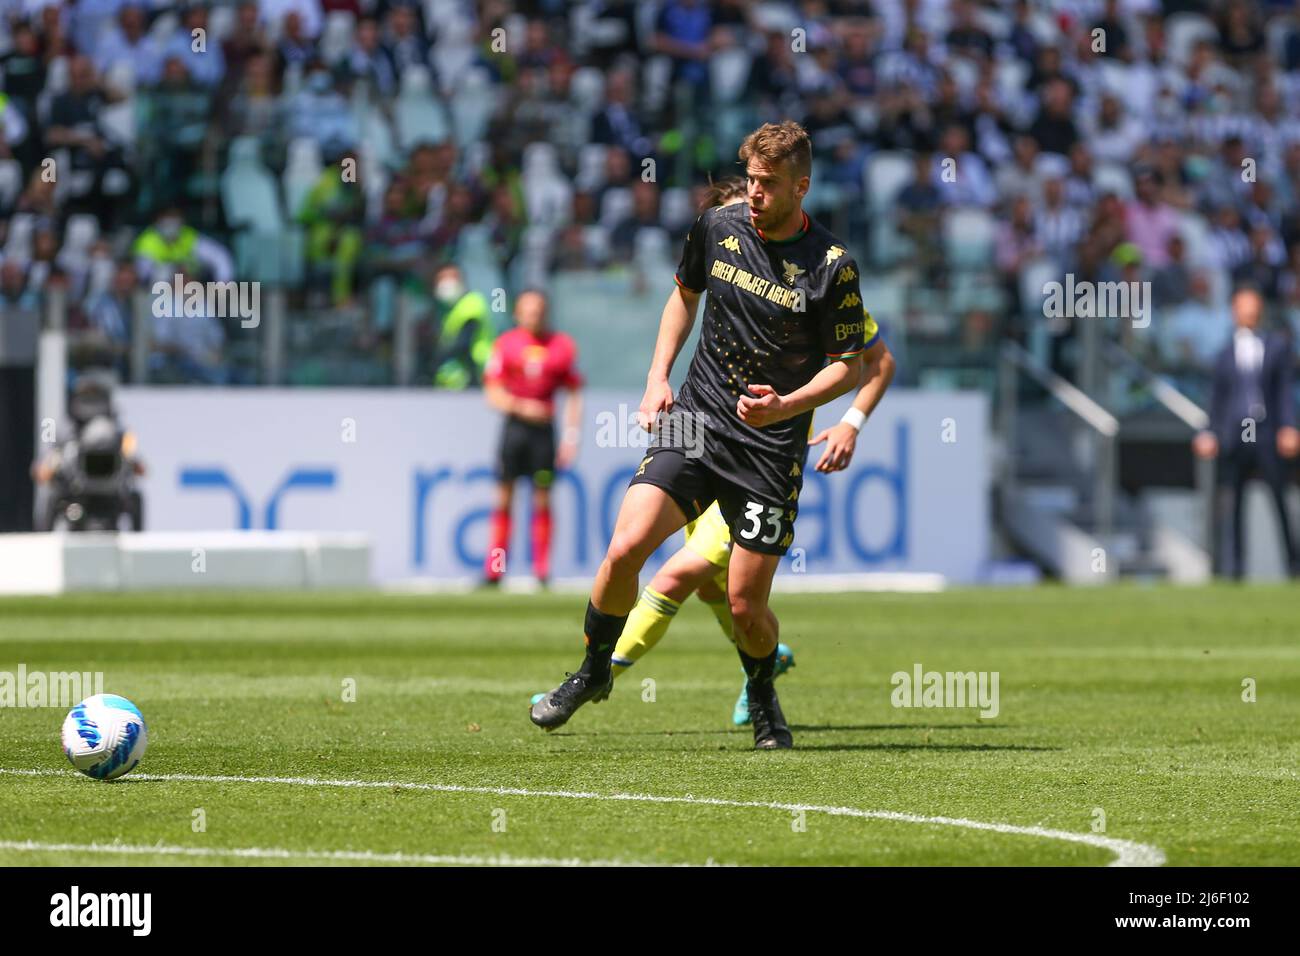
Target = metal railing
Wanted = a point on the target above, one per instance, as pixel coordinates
(1103, 427)
(1187, 412)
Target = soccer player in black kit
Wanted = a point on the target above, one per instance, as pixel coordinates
(783, 334)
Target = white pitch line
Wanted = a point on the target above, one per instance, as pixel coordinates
(1127, 852)
(280, 853)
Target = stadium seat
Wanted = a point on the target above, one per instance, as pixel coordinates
(1033, 277)
(450, 61)
(472, 107)
(615, 206)
(1011, 75)
(823, 195)
(587, 89)
(442, 11)
(591, 167)
(161, 30)
(376, 139)
(547, 193)
(653, 252)
(56, 80)
(1183, 31)
(1113, 178)
(996, 22)
(732, 123)
(19, 244)
(1196, 238)
(964, 73)
(1052, 166)
(675, 208)
(248, 190)
(11, 182)
(1276, 34)
(337, 36)
(100, 276)
(302, 169)
(221, 21)
(972, 291)
(728, 74)
(884, 177)
(478, 259)
(275, 258)
(865, 115)
(656, 80)
(80, 234)
(884, 295)
(121, 77)
(418, 115)
(968, 235)
(531, 269)
(595, 240)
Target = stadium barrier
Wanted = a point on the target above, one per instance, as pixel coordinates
(413, 471)
(60, 562)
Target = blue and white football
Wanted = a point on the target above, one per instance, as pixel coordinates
(104, 736)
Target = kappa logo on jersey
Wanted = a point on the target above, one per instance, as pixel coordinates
(731, 244)
(849, 300)
(792, 271)
(833, 253)
(644, 461)
(795, 471)
(846, 275)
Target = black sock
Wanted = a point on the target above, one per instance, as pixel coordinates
(759, 670)
(602, 632)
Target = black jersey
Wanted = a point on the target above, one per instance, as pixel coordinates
(774, 313)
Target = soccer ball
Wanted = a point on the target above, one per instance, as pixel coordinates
(104, 736)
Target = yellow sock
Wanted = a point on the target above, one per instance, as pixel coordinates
(722, 611)
(646, 624)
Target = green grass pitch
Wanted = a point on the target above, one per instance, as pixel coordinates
(1123, 702)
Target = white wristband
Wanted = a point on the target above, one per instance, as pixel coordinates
(855, 418)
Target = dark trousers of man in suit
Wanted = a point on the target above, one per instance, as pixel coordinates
(1236, 465)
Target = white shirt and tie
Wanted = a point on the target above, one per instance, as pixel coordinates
(1248, 350)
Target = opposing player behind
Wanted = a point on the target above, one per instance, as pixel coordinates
(528, 366)
(782, 334)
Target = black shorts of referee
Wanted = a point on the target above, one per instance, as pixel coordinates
(527, 450)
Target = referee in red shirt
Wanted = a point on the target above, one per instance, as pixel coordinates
(529, 364)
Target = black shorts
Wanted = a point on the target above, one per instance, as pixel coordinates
(527, 451)
(757, 494)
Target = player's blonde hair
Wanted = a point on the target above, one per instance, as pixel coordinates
(776, 143)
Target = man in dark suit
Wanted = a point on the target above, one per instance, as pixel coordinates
(1252, 426)
(617, 122)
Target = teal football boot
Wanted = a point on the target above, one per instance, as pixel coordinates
(784, 661)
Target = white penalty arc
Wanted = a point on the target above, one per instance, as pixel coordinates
(1127, 852)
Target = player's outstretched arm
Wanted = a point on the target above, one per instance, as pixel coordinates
(674, 329)
(571, 437)
(842, 438)
(838, 377)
